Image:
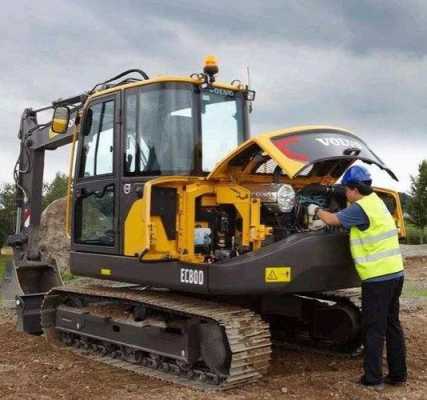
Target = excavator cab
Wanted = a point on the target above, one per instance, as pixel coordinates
(133, 135)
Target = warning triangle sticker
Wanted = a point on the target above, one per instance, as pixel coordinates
(272, 276)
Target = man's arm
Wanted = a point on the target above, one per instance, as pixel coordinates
(348, 217)
(328, 217)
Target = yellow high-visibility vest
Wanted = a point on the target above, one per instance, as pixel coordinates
(376, 250)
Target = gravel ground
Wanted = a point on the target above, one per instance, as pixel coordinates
(31, 369)
(410, 250)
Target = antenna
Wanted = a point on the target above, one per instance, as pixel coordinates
(249, 76)
(251, 108)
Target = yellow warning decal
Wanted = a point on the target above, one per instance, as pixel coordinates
(105, 271)
(277, 274)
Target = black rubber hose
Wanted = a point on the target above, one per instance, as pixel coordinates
(317, 188)
(124, 73)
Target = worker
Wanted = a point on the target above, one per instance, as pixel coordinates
(376, 254)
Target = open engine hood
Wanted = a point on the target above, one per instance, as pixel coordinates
(308, 150)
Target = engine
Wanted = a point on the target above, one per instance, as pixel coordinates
(283, 208)
(289, 215)
(275, 197)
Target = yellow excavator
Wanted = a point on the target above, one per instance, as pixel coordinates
(199, 231)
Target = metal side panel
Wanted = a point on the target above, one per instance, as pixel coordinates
(312, 262)
(136, 335)
(163, 274)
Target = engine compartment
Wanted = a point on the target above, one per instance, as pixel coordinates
(218, 229)
(257, 196)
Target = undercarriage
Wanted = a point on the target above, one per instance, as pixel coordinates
(191, 341)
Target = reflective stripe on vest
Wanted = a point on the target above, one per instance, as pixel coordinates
(375, 238)
(377, 256)
(376, 250)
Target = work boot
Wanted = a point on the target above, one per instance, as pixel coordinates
(375, 386)
(358, 352)
(394, 382)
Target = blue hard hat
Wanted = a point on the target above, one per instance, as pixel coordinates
(355, 175)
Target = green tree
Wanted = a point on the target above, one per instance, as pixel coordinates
(404, 201)
(51, 191)
(7, 212)
(418, 201)
(3, 232)
(55, 190)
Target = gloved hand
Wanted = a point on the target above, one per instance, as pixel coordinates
(312, 210)
(316, 225)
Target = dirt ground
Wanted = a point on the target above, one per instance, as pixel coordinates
(31, 369)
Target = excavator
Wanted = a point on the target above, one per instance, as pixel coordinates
(196, 232)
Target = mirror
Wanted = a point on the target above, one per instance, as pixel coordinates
(60, 120)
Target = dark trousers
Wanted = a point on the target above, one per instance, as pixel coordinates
(380, 319)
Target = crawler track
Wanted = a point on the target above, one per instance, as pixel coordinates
(248, 337)
(350, 345)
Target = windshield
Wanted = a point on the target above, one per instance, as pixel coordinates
(222, 124)
(159, 130)
(160, 133)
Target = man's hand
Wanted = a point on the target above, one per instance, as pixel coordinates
(315, 212)
(312, 210)
(314, 223)
(328, 218)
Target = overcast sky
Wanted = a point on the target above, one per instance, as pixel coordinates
(357, 64)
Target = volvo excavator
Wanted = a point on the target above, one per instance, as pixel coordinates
(197, 233)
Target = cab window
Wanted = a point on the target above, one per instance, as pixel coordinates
(97, 149)
(95, 213)
(159, 131)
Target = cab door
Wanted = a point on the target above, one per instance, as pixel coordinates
(95, 225)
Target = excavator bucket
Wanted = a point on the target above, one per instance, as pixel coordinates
(24, 288)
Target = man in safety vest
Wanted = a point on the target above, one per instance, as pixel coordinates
(376, 254)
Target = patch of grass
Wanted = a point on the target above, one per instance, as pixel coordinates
(413, 234)
(68, 276)
(414, 290)
(3, 261)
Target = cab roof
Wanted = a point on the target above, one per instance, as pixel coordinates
(166, 79)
